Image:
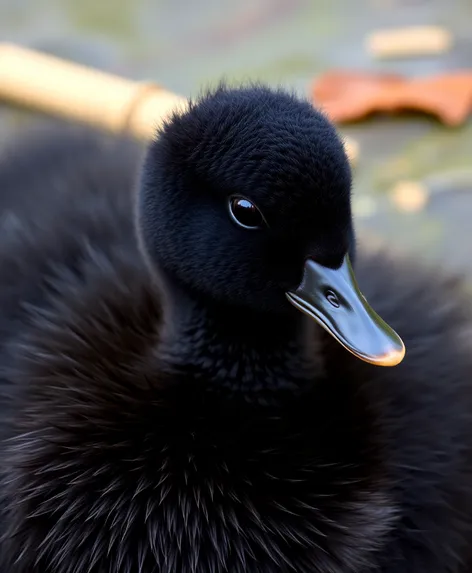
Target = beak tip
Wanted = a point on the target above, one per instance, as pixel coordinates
(391, 358)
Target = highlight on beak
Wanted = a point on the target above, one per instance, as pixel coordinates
(333, 299)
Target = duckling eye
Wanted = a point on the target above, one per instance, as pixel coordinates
(245, 213)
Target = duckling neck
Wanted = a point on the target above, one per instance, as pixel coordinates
(235, 349)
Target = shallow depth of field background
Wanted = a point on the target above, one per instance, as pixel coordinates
(187, 45)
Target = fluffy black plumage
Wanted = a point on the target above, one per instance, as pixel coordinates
(165, 410)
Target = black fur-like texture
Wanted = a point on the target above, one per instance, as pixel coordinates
(164, 410)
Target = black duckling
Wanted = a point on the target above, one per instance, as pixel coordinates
(167, 408)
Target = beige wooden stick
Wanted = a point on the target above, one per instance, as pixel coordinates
(60, 88)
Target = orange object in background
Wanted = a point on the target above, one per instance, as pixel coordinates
(349, 96)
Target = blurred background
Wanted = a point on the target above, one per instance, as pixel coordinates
(413, 174)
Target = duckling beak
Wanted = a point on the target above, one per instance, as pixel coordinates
(332, 298)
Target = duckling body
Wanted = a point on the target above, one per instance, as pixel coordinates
(229, 437)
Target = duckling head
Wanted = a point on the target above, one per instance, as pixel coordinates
(245, 199)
